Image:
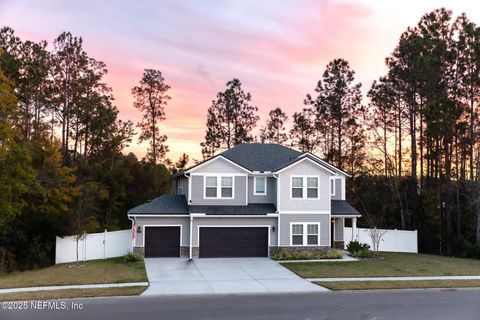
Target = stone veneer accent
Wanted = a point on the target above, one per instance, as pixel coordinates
(338, 245)
(140, 250)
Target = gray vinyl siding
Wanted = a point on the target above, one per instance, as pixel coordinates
(270, 197)
(339, 185)
(182, 186)
(302, 169)
(286, 219)
(184, 222)
(339, 224)
(218, 165)
(234, 222)
(240, 196)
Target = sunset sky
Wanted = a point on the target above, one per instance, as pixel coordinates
(278, 49)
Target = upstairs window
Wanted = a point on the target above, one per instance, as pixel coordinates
(260, 186)
(297, 187)
(211, 187)
(332, 187)
(227, 187)
(312, 187)
(219, 187)
(304, 187)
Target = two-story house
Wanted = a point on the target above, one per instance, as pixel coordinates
(244, 202)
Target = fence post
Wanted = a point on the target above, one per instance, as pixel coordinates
(105, 244)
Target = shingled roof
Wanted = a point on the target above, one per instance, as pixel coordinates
(166, 204)
(342, 207)
(259, 156)
(250, 209)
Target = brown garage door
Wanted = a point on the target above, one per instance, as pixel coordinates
(233, 242)
(162, 241)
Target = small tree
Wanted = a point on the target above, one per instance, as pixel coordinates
(376, 235)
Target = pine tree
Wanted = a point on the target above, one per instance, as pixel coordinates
(274, 129)
(151, 98)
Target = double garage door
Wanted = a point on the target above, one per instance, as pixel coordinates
(214, 242)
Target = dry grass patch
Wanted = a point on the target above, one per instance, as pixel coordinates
(95, 271)
(393, 265)
(417, 284)
(72, 293)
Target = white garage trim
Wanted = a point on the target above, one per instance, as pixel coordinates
(159, 226)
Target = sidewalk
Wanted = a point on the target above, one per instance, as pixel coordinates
(394, 278)
(85, 286)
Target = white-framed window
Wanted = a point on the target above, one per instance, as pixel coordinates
(260, 186)
(305, 233)
(219, 187)
(332, 187)
(304, 187)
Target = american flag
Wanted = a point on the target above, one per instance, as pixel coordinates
(134, 231)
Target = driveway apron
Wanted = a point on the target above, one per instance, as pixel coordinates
(177, 276)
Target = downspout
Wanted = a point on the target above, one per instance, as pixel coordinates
(133, 223)
(278, 217)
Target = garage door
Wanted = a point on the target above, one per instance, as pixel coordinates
(162, 241)
(233, 242)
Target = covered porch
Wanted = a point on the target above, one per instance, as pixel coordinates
(342, 213)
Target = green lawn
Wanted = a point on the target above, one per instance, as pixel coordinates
(95, 271)
(420, 284)
(394, 264)
(72, 293)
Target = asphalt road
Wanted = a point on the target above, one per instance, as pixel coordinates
(410, 305)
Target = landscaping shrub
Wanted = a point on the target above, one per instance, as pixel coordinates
(471, 250)
(280, 254)
(132, 257)
(359, 250)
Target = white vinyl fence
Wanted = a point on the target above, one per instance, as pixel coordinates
(392, 240)
(94, 246)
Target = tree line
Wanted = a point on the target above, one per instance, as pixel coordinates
(63, 169)
(412, 149)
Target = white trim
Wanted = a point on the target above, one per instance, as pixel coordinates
(305, 186)
(332, 186)
(345, 216)
(190, 251)
(159, 215)
(255, 186)
(305, 212)
(269, 226)
(246, 190)
(203, 215)
(189, 190)
(305, 234)
(219, 186)
(159, 226)
(216, 158)
(315, 163)
(326, 164)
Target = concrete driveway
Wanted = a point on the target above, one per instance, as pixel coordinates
(174, 276)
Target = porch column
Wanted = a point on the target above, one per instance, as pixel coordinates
(354, 228)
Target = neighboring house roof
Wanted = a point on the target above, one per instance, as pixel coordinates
(166, 204)
(343, 208)
(251, 209)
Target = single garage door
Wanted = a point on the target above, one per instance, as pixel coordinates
(216, 242)
(162, 241)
